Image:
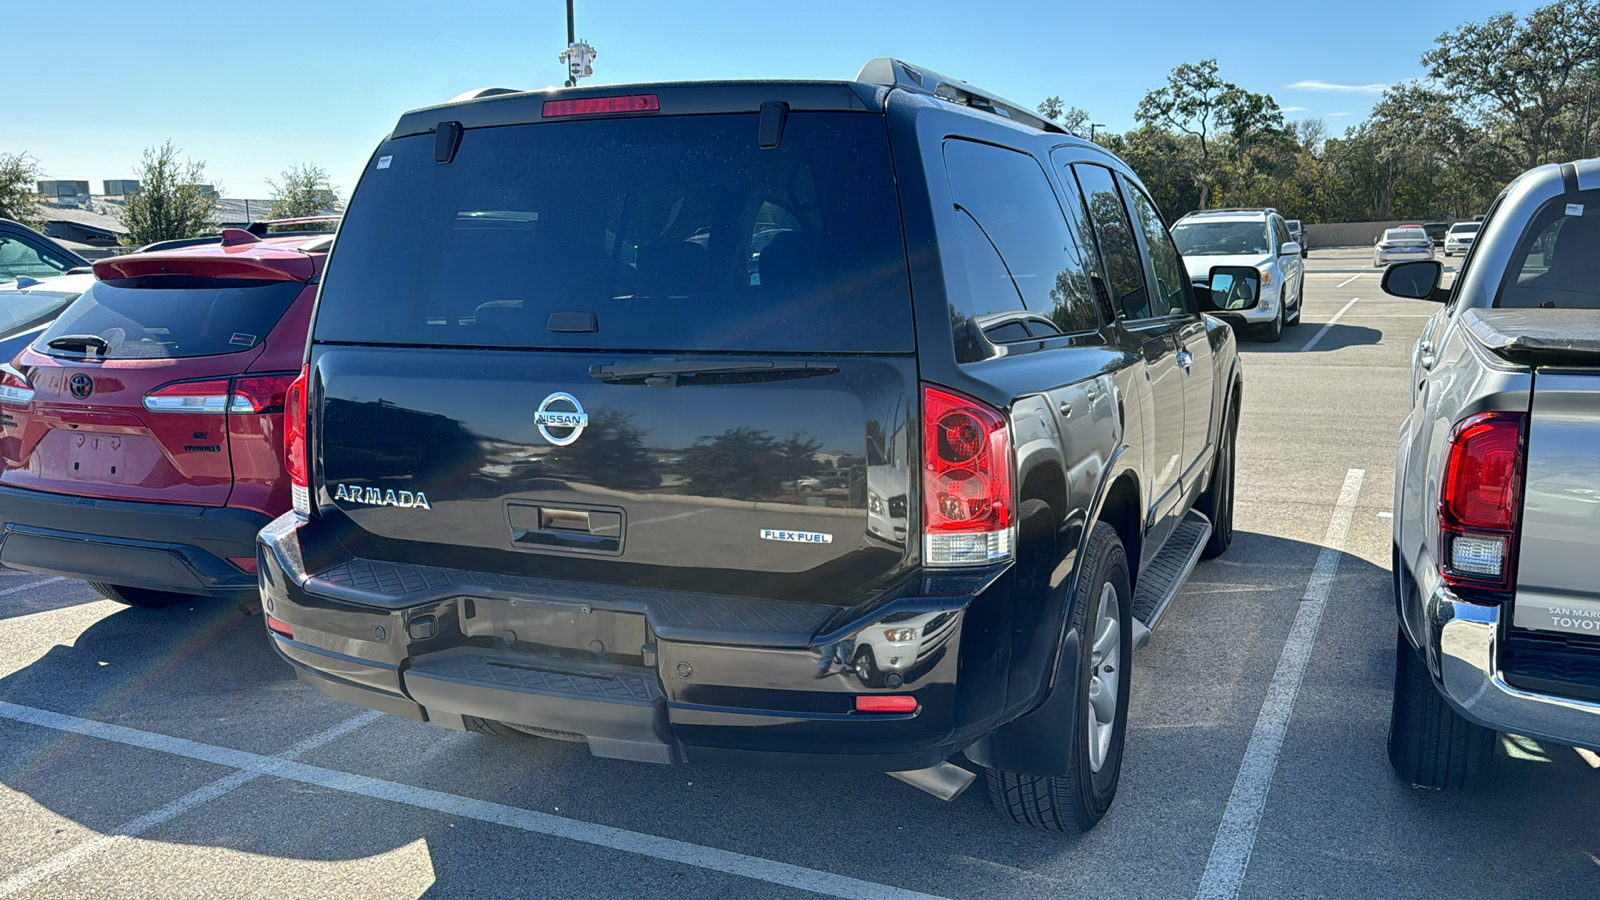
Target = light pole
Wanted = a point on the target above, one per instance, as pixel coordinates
(1092, 127)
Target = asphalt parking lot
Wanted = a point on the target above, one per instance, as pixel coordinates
(169, 753)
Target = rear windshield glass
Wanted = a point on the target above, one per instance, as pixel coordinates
(1221, 238)
(169, 317)
(1466, 228)
(669, 233)
(1556, 264)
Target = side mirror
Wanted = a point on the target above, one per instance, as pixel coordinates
(1233, 288)
(1416, 280)
(1290, 249)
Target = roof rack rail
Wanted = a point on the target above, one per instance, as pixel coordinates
(1232, 209)
(894, 73)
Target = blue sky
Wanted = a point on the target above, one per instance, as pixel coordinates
(251, 88)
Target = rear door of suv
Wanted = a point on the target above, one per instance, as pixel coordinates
(650, 350)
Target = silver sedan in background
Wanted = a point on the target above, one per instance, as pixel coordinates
(1401, 245)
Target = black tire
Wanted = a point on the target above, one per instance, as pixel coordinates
(1272, 332)
(143, 598)
(1079, 799)
(1430, 744)
(1299, 302)
(1217, 502)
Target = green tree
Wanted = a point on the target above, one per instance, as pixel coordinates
(172, 201)
(1071, 118)
(303, 191)
(19, 175)
(1194, 103)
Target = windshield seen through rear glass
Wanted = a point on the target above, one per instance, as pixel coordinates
(1221, 238)
(168, 317)
(654, 233)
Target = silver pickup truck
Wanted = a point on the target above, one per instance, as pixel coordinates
(1497, 488)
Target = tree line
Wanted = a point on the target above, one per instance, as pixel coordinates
(1498, 97)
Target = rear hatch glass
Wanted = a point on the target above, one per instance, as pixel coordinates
(670, 233)
(168, 317)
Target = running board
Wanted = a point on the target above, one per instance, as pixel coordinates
(1165, 575)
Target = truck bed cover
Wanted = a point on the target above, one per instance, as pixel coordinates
(1538, 336)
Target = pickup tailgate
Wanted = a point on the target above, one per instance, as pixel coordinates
(1557, 588)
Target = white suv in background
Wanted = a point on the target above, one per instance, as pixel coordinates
(1247, 237)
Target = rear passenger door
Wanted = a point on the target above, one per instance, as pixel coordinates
(1174, 298)
(1150, 329)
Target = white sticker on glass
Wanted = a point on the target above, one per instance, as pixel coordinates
(383, 163)
(1574, 209)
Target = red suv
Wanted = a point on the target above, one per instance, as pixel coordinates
(141, 436)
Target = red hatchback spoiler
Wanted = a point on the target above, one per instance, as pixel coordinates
(267, 260)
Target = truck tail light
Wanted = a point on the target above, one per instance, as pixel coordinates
(15, 390)
(295, 456)
(968, 514)
(251, 394)
(1481, 500)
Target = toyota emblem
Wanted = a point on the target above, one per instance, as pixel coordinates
(81, 386)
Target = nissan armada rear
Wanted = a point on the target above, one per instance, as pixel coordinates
(825, 425)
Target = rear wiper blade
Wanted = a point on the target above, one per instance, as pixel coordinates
(84, 342)
(665, 372)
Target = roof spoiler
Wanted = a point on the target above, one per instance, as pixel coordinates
(894, 73)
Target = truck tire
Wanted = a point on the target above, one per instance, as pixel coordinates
(1430, 744)
(1217, 502)
(1101, 617)
(140, 597)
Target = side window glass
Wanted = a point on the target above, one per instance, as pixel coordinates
(1172, 286)
(1280, 234)
(1020, 251)
(19, 257)
(1124, 271)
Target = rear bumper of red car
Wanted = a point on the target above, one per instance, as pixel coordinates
(156, 546)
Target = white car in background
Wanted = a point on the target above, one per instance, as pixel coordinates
(1460, 237)
(1247, 237)
(1402, 245)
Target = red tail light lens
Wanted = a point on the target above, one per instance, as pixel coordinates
(966, 481)
(880, 703)
(15, 390)
(295, 458)
(264, 393)
(591, 106)
(1480, 500)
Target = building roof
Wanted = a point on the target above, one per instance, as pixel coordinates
(100, 217)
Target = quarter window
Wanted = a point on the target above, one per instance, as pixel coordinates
(1124, 272)
(1021, 252)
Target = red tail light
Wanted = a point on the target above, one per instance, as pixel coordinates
(295, 458)
(890, 703)
(15, 390)
(246, 394)
(966, 481)
(1481, 500)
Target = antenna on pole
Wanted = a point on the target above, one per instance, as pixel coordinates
(579, 54)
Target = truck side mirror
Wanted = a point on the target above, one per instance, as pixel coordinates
(1232, 288)
(1415, 280)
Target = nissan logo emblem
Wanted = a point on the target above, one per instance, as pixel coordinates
(81, 386)
(574, 419)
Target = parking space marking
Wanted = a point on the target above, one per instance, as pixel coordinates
(30, 585)
(1236, 834)
(1331, 322)
(1350, 279)
(135, 827)
(637, 843)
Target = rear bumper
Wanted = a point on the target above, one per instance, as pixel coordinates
(157, 546)
(621, 670)
(1465, 638)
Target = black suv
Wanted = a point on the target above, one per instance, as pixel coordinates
(825, 425)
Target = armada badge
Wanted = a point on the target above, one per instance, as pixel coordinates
(574, 421)
(355, 493)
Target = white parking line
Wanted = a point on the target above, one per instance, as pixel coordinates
(1350, 279)
(682, 852)
(135, 827)
(30, 585)
(1331, 322)
(1236, 835)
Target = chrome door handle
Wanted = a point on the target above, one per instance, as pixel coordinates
(1185, 359)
